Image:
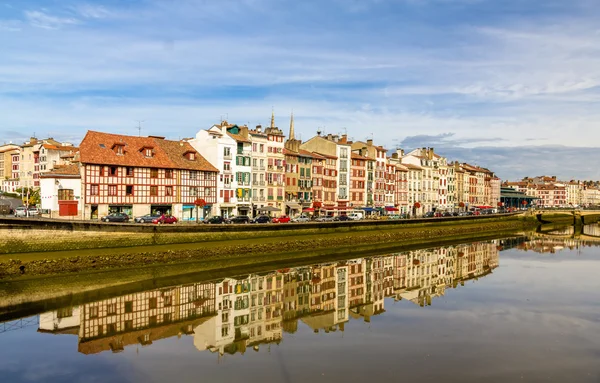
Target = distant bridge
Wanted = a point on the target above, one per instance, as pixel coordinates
(578, 216)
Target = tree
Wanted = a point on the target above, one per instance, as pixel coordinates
(34, 196)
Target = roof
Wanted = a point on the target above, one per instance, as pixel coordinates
(96, 148)
(413, 167)
(64, 171)
(62, 148)
(359, 157)
(326, 155)
(238, 137)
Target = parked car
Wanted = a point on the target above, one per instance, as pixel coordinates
(239, 219)
(33, 212)
(146, 218)
(355, 216)
(115, 217)
(325, 218)
(282, 219)
(429, 214)
(301, 218)
(21, 211)
(447, 214)
(217, 219)
(262, 219)
(342, 217)
(164, 219)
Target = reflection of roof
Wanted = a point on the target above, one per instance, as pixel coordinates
(318, 321)
(163, 331)
(63, 331)
(96, 148)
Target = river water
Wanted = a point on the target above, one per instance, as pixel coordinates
(513, 309)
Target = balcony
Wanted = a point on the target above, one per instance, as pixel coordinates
(261, 183)
(257, 198)
(227, 156)
(342, 197)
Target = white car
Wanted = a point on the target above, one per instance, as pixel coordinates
(21, 211)
(301, 218)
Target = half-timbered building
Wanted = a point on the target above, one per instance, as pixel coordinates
(144, 175)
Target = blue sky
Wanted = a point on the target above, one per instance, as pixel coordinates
(480, 80)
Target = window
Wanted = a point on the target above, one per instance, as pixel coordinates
(154, 190)
(226, 166)
(65, 312)
(112, 190)
(207, 192)
(153, 173)
(94, 312)
(94, 189)
(129, 172)
(168, 173)
(111, 309)
(191, 156)
(119, 149)
(129, 190)
(152, 303)
(129, 307)
(128, 325)
(193, 191)
(148, 152)
(168, 191)
(113, 170)
(101, 171)
(193, 174)
(65, 195)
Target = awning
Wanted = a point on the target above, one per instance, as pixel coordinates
(293, 205)
(367, 209)
(226, 204)
(390, 208)
(268, 208)
(308, 209)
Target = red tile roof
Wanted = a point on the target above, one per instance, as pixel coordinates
(97, 148)
(238, 137)
(70, 171)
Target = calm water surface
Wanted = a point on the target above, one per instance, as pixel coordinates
(521, 309)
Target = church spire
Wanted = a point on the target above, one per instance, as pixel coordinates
(292, 128)
(272, 118)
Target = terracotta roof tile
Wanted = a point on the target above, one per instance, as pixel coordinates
(63, 170)
(238, 137)
(96, 148)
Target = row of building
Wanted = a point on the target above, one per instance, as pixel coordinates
(230, 169)
(548, 191)
(232, 315)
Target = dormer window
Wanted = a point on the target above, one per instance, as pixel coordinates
(119, 149)
(190, 155)
(147, 151)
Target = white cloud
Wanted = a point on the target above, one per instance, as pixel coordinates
(43, 20)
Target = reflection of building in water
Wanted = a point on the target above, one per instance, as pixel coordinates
(592, 230)
(233, 314)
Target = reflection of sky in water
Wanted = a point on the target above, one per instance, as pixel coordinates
(535, 318)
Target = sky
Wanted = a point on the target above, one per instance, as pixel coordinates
(510, 85)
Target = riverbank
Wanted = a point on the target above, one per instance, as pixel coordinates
(23, 236)
(26, 294)
(249, 244)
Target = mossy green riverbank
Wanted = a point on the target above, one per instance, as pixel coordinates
(27, 294)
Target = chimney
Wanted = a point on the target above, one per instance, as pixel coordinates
(400, 152)
(344, 139)
(336, 138)
(370, 142)
(330, 137)
(259, 128)
(244, 131)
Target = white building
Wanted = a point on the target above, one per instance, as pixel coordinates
(60, 191)
(220, 148)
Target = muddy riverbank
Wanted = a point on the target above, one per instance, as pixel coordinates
(38, 264)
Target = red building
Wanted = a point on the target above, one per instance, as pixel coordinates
(144, 175)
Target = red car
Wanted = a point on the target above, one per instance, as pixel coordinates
(282, 219)
(164, 219)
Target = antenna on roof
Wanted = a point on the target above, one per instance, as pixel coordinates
(139, 127)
